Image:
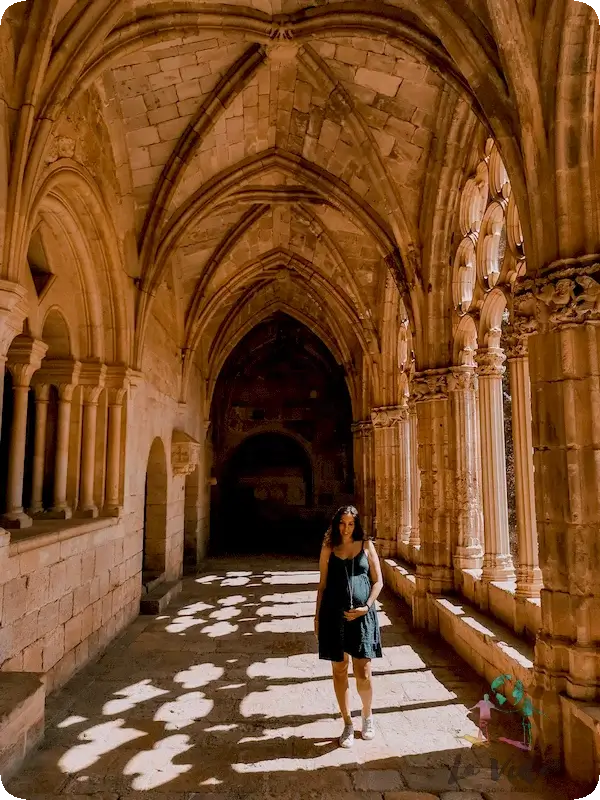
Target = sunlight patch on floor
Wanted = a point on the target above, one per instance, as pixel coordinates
(198, 675)
(154, 768)
(131, 696)
(97, 742)
(184, 711)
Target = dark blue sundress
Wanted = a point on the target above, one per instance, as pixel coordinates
(360, 638)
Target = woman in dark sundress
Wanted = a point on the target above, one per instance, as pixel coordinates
(346, 622)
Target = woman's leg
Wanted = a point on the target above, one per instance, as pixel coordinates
(364, 684)
(341, 686)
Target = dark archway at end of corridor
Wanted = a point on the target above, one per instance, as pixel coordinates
(155, 516)
(282, 443)
(267, 497)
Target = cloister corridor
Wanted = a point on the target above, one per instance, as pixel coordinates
(223, 697)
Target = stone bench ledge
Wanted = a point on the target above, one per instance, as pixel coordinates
(22, 700)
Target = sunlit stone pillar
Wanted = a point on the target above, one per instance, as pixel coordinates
(415, 476)
(564, 360)
(529, 575)
(391, 446)
(434, 571)
(468, 552)
(497, 561)
(25, 357)
(42, 398)
(362, 432)
(92, 380)
(404, 476)
(385, 455)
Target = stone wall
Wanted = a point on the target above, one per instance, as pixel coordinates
(64, 596)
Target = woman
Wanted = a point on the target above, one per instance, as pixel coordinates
(346, 622)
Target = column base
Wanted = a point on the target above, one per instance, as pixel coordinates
(529, 582)
(88, 513)
(498, 568)
(16, 520)
(469, 557)
(59, 513)
(111, 511)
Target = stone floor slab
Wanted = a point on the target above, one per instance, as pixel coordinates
(214, 698)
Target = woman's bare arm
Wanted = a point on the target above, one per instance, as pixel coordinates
(323, 569)
(374, 573)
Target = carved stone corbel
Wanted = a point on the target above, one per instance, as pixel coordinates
(185, 453)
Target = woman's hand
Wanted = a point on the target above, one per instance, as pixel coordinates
(356, 613)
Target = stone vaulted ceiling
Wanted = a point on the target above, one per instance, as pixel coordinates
(283, 154)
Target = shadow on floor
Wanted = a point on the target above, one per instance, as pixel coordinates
(224, 697)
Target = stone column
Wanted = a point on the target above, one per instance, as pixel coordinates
(363, 449)
(415, 475)
(92, 380)
(64, 374)
(404, 488)
(497, 561)
(42, 398)
(25, 357)
(61, 508)
(117, 382)
(564, 360)
(390, 492)
(529, 575)
(434, 571)
(468, 552)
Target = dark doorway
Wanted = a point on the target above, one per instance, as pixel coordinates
(267, 488)
(282, 443)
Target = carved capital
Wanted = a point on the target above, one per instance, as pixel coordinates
(92, 379)
(388, 416)
(362, 429)
(24, 359)
(516, 343)
(13, 311)
(490, 362)
(65, 391)
(563, 296)
(91, 395)
(42, 392)
(462, 379)
(116, 396)
(60, 373)
(430, 385)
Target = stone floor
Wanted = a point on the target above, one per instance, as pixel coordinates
(224, 698)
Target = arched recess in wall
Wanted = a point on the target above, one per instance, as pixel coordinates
(155, 514)
(80, 221)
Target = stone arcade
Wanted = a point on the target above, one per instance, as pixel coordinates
(267, 257)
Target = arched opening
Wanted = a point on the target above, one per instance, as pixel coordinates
(282, 442)
(155, 515)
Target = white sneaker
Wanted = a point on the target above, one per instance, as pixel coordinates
(368, 727)
(347, 737)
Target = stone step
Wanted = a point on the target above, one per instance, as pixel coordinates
(159, 598)
(150, 580)
(22, 702)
